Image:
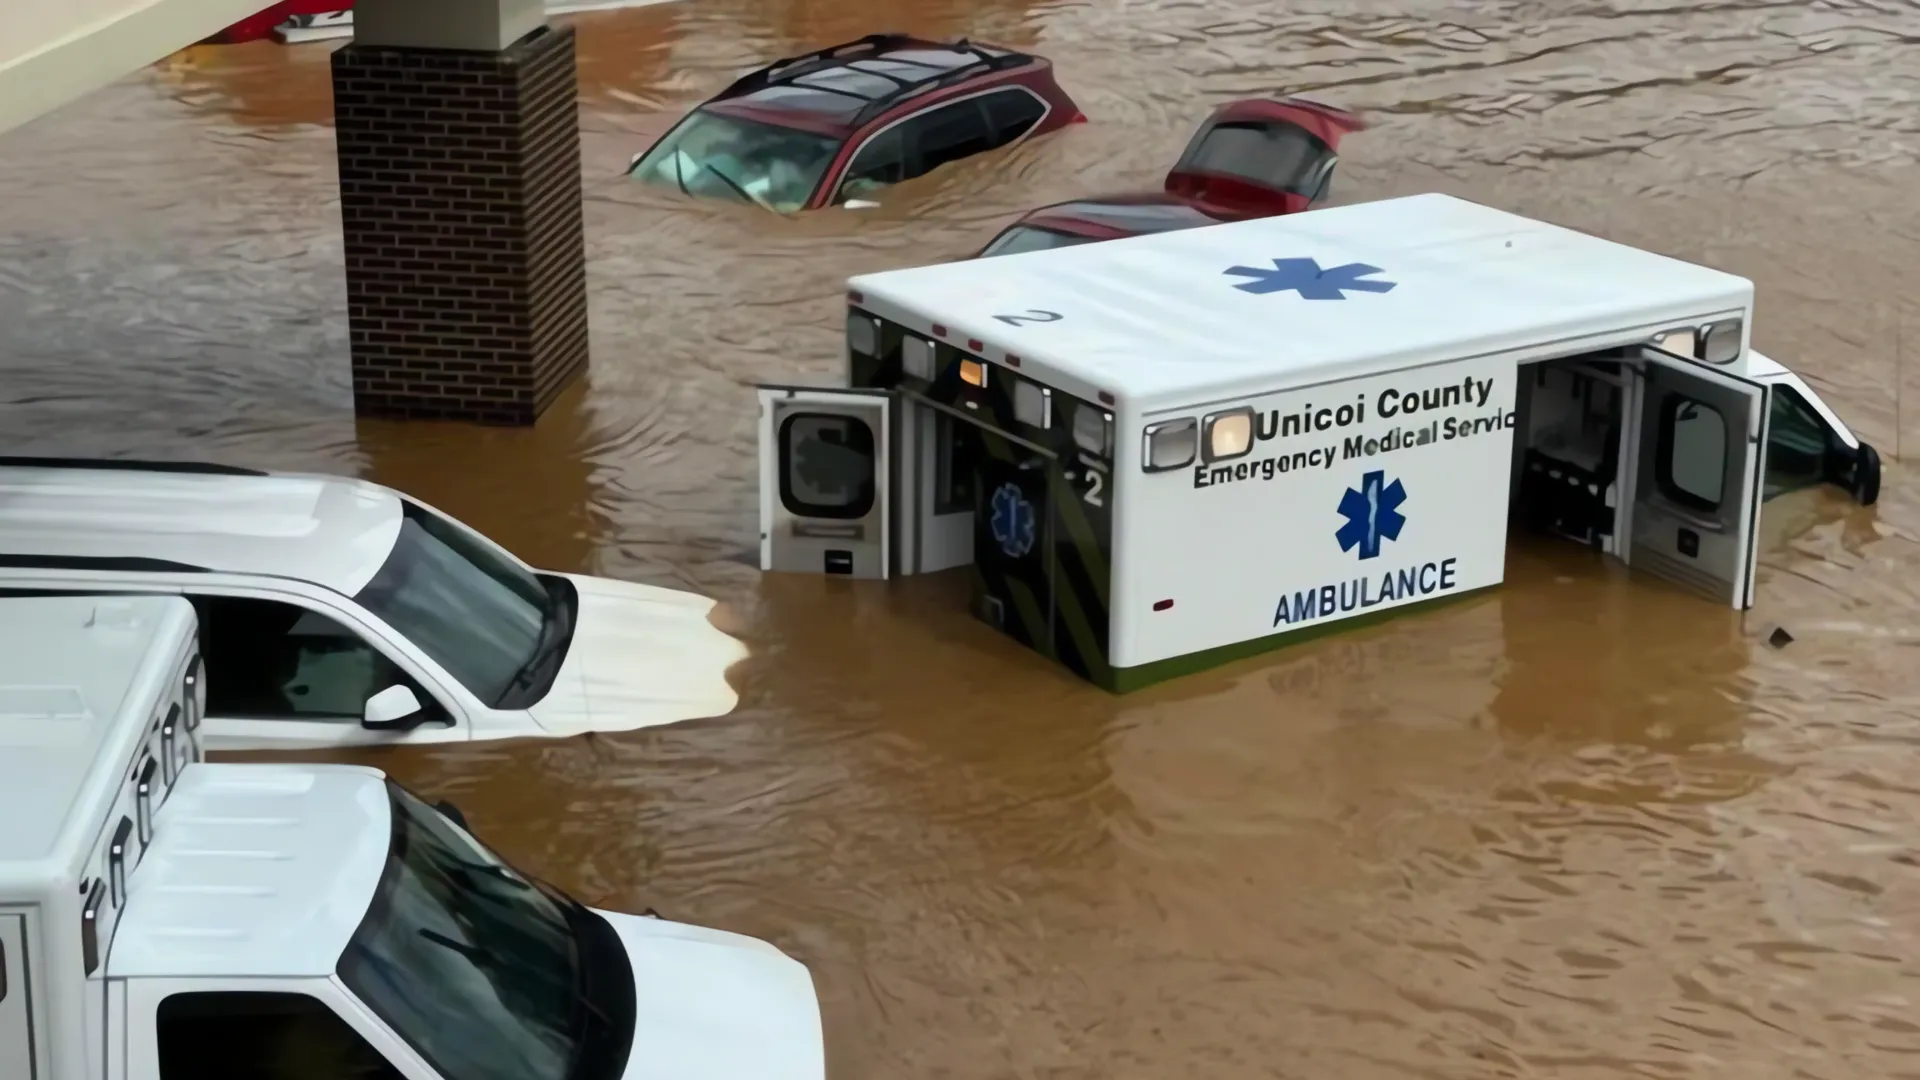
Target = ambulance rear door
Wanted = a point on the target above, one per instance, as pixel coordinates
(826, 479)
(1700, 450)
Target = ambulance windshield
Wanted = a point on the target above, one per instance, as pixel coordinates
(475, 966)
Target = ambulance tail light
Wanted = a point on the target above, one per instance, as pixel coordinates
(916, 357)
(1093, 430)
(1163, 605)
(1032, 404)
(863, 333)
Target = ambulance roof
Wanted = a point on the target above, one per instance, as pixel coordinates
(1168, 319)
(79, 676)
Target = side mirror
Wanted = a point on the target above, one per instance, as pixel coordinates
(451, 813)
(861, 204)
(393, 709)
(1866, 475)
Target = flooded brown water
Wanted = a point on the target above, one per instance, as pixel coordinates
(1582, 828)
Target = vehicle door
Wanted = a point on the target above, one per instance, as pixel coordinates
(1807, 445)
(258, 1029)
(880, 162)
(1701, 457)
(282, 672)
(1274, 157)
(826, 481)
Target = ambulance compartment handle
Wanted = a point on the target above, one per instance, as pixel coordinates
(1693, 519)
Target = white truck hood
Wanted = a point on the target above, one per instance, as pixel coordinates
(709, 1005)
(641, 656)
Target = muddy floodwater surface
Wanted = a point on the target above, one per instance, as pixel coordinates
(1582, 827)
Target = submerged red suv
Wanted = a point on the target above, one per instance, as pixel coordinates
(1250, 159)
(817, 130)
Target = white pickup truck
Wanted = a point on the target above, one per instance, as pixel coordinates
(164, 918)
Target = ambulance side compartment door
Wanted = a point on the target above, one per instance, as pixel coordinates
(1700, 459)
(826, 480)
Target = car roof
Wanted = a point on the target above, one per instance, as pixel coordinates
(331, 531)
(1164, 320)
(849, 84)
(78, 676)
(256, 870)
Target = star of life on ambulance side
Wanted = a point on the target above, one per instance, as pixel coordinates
(164, 918)
(1162, 453)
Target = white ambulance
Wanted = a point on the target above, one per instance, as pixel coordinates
(162, 918)
(1160, 453)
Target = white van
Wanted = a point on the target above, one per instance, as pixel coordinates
(162, 918)
(1164, 452)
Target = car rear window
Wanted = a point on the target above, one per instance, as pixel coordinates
(1143, 218)
(1024, 238)
(1272, 155)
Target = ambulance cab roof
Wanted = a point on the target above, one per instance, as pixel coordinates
(78, 679)
(257, 869)
(1166, 319)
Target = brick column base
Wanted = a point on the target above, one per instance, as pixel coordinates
(460, 201)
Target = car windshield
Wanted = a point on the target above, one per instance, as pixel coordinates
(1028, 238)
(470, 606)
(735, 158)
(473, 965)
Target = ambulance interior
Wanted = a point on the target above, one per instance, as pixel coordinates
(1569, 423)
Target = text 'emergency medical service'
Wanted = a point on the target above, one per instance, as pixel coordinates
(1392, 403)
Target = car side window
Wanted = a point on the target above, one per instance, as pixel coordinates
(947, 134)
(268, 659)
(1796, 443)
(880, 161)
(230, 1035)
(1012, 113)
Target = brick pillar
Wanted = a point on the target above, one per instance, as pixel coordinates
(460, 200)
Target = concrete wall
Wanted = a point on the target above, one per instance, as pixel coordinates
(53, 51)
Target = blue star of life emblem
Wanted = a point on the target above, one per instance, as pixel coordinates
(1373, 514)
(1012, 521)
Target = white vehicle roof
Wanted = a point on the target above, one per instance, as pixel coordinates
(256, 870)
(77, 682)
(1158, 318)
(332, 531)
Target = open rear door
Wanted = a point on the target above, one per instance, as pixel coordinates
(1276, 156)
(825, 480)
(1701, 452)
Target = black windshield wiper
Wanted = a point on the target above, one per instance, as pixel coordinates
(483, 959)
(556, 629)
(735, 185)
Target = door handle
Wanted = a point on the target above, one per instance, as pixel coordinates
(1711, 525)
